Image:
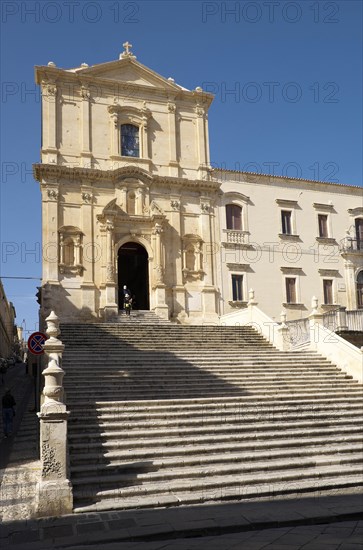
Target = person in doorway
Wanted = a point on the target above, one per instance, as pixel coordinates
(126, 292)
(127, 304)
(8, 404)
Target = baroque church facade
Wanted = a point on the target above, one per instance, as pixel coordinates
(129, 197)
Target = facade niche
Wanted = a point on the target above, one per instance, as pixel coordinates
(192, 258)
(70, 250)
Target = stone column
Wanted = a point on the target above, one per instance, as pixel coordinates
(54, 491)
(208, 290)
(90, 252)
(111, 307)
(50, 233)
(177, 257)
(161, 308)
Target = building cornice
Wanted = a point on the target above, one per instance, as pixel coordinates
(57, 75)
(268, 178)
(53, 173)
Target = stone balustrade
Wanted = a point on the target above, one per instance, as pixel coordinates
(54, 490)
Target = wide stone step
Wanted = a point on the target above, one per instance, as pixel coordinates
(151, 473)
(219, 481)
(201, 404)
(254, 430)
(176, 373)
(230, 412)
(117, 464)
(107, 423)
(130, 441)
(112, 363)
(186, 390)
(231, 492)
(94, 456)
(176, 382)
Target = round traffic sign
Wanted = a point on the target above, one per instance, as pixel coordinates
(35, 343)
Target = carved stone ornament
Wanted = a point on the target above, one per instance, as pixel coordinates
(158, 230)
(205, 207)
(85, 92)
(114, 112)
(87, 197)
(52, 194)
(50, 466)
(171, 107)
(199, 110)
(175, 204)
(49, 88)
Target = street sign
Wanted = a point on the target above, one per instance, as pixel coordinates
(35, 343)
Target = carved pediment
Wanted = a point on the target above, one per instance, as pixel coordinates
(130, 72)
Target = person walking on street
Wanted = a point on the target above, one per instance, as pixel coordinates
(8, 404)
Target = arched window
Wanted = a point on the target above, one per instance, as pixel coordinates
(360, 289)
(130, 140)
(234, 217)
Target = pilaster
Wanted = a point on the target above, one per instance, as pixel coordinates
(89, 251)
(349, 274)
(49, 99)
(86, 153)
(50, 198)
(173, 160)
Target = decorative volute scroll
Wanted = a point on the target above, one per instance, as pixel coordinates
(192, 258)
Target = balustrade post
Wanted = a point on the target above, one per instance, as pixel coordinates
(54, 495)
(342, 323)
(315, 322)
(283, 334)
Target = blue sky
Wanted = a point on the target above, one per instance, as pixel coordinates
(287, 79)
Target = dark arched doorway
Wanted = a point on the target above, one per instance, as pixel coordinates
(133, 271)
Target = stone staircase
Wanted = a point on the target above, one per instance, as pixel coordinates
(163, 415)
(140, 317)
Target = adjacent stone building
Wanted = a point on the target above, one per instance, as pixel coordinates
(8, 330)
(129, 197)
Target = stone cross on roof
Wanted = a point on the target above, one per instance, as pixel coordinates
(127, 52)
